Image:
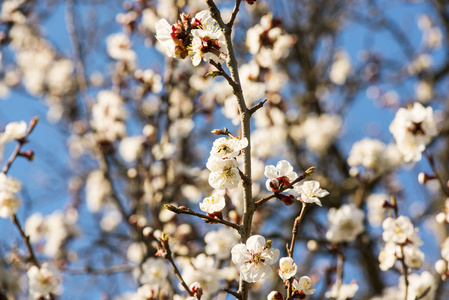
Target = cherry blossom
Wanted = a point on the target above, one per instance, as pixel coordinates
(279, 176)
(254, 258)
(311, 192)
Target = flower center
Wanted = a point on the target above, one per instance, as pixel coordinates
(227, 172)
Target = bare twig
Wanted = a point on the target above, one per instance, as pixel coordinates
(291, 249)
(257, 106)
(234, 13)
(432, 164)
(167, 254)
(26, 240)
(187, 211)
(106, 271)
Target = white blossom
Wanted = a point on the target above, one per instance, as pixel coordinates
(119, 47)
(413, 129)
(418, 284)
(43, 280)
(163, 35)
(319, 132)
(341, 68)
(376, 211)
(342, 291)
(9, 204)
(279, 176)
(445, 249)
(131, 147)
(208, 42)
(224, 173)
(287, 268)
(154, 271)
(220, 242)
(345, 223)
(202, 270)
(413, 257)
(303, 285)
(228, 148)
(13, 131)
(254, 258)
(399, 230)
(388, 256)
(214, 203)
(368, 153)
(311, 192)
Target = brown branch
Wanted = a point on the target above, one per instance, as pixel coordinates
(291, 249)
(106, 271)
(223, 73)
(432, 164)
(167, 254)
(26, 240)
(404, 273)
(256, 107)
(234, 13)
(22, 142)
(303, 176)
(187, 211)
(233, 293)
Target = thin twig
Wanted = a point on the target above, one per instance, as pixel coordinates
(234, 13)
(404, 273)
(187, 211)
(26, 240)
(431, 161)
(291, 249)
(259, 105)
(233, 293)
(167, 254)
(19, 145)
(106, 271)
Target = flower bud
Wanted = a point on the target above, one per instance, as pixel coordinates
(441, 266)
(312, 245)
(441, 218)
(287, 199)
(196, 289)
(423, 177)
(251, 2)
(275, 295)
(219, 132)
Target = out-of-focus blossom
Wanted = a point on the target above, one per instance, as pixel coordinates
(341, 68)
(131, 147)
(319, 132)
(13, 131)
(399, 230)
(342, 291)
(345, 223)
(413, 129)
(119, 47)
(220, 242)
(43, 280)
(9, 201)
